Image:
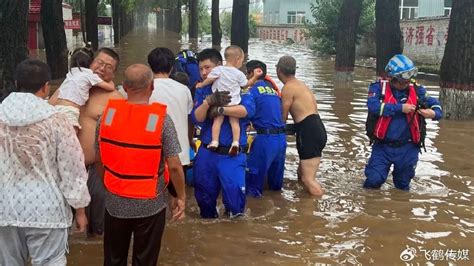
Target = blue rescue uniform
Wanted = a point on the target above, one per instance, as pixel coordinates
(267, 155)
(214, 171)
(396, 148)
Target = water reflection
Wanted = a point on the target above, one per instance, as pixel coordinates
(349, 225)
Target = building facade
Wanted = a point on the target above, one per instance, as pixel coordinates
(284, 12)
(424, 26)
(283, 20)
(412, 9)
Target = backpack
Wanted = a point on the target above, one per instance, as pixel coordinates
(372, 119)
(186, 62)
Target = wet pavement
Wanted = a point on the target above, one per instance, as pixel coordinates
(349, 224)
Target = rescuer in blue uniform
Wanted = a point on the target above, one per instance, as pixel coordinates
(216, 170)
(267, 154)
(396, 126)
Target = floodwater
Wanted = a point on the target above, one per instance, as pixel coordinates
(348, 225)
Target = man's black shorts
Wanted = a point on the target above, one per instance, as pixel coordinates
(311, 137)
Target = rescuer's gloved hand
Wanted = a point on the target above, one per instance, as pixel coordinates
(213, 112)
(218, 98)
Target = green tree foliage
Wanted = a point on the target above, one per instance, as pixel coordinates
(252, 26)
(204, 19)
(226, 23)
(326, 14)
(101, 6)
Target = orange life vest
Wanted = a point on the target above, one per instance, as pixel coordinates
(130, 148)
(413, 118)
(275, 86)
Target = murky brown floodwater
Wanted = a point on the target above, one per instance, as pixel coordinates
(348, 225)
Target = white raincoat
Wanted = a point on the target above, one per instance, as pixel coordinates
(42, 170)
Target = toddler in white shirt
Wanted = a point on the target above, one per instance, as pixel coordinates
(74, 91)
(228, 78)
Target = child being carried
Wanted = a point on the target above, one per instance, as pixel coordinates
(228, 78)
(74, 91)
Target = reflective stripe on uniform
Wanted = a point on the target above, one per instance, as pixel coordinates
(381, 109)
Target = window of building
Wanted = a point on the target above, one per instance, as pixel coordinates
(448, 4)
(277, 17)
(291, 18)
(295, 17)
(270, 18)
(300, 17)
(408, 9)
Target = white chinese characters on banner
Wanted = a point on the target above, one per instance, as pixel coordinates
(73, 24)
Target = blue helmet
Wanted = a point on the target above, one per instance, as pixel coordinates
(400, 66)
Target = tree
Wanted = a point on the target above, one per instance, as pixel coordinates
(215, 24)
(13, 41)
(143, 10)
(457, 66)
(204, 19)
(54, 37)
(92, 29)
(326, 14)
(347, 35)
(116, 20)
(388, 33)
(173, 22)
(252, 26)
(240, 26)
(193, 19)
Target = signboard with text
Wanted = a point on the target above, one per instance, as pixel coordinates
(73, 24)
(104, 20)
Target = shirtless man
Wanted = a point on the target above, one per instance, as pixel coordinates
(299, 101)
(104, 64)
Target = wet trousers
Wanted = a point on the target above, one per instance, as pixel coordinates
(213, 172)
(403, 158)
(147, 233)
(43, 245)
(95, 212)
(265, 159)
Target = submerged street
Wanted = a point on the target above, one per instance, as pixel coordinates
(349, 224)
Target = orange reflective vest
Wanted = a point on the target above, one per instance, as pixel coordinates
(412, 118)
(130, 148)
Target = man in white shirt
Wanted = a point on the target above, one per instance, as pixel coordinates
(175, 95)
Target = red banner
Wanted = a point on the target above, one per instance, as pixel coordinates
(73, 24)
